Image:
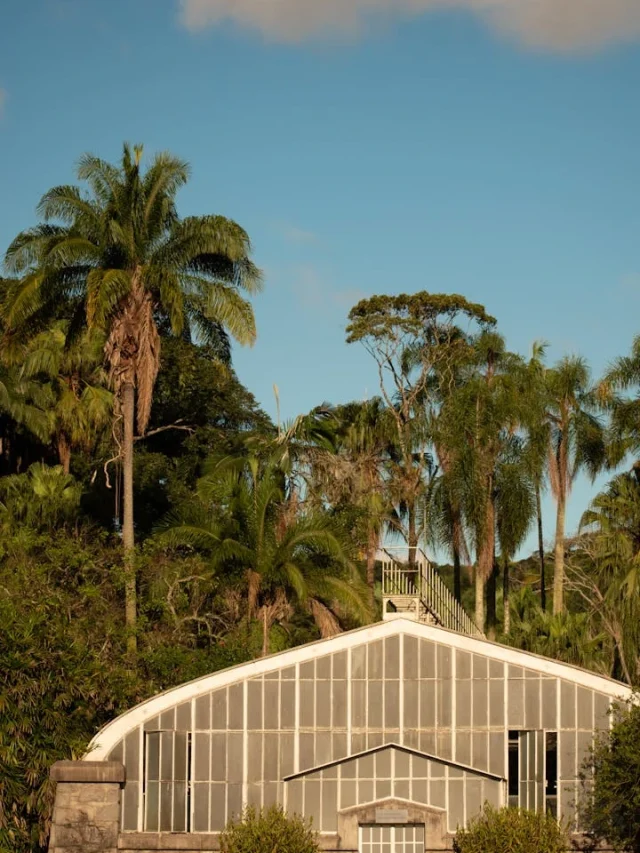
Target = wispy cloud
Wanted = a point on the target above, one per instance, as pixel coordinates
(3, 100)
(294, 234)
(562, 25)
(314, 291)
(630, 286)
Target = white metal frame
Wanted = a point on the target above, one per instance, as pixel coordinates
(113, 732)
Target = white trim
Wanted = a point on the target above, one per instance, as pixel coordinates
(108, 737)
(401, 681)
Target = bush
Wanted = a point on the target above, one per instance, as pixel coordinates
(268, 831)
(613, 773)
(511, 830)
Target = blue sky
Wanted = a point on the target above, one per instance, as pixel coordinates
(485, 147)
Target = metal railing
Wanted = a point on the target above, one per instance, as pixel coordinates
(412, 577)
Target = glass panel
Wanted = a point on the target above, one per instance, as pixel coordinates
(152, 806)
(179, 807)
(323, 668)
(130, 810)
(203, 712)
(166, 753)
(152, 756)
(219, 710)
(165, 806)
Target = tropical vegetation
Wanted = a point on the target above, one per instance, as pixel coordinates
(611, 808)
(155, 524)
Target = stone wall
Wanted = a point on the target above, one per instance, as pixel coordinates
(86, 813)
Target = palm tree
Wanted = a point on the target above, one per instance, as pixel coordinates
(515, 509)
(576, 441)
(81, 405)
(622, 376)
(350, 472)
(478, 423)
(246, 520)
(119, 261)
(43, 498)
(568, 637)
(536, 428)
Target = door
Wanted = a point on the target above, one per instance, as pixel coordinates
(531, 770)
(392, 839)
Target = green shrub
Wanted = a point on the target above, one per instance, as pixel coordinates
(511, 830)
(268, 831)
(613, 774)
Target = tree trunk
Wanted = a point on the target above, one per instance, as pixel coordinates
(479, 581)
(457, 575)
(128, 538)
(412, 536)
(543, 582)
(506, 627)
(558, 572)
(492, 587)
(265, 633)
(372, 548)
(64, 453)
(485, 561)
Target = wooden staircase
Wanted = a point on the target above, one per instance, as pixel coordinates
(412, 588)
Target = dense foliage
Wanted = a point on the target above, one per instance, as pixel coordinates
(268, 831)
(118, 393)
(612, 773)
(510, 830)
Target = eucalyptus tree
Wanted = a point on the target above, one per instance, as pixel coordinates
(416, 342)
(245, 519)
(576, 441)
(118, 260)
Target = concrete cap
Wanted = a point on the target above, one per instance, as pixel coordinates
(88, 771)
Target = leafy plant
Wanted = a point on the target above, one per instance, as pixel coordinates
(269, 831)
(509, 830)
(612, 771)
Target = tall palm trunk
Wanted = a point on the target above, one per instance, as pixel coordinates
(457, 541)
(485, 562)
(128, 537)
(412, 535)
(480, 584)
(265, 632)
(543, 583)
(492, 588)
(64, 452)
(457, 575)
(558, 573)
(372, 548)
(506, 596)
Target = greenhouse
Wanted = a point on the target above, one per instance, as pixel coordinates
(388, 738)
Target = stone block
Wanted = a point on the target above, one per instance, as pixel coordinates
(88, 771)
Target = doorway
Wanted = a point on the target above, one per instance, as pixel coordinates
(392, 839)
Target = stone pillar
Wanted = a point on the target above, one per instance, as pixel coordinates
(86, 811)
